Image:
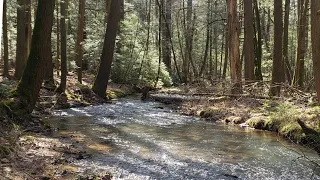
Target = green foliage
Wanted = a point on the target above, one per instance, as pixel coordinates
(133, 65)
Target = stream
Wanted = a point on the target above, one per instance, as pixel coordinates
(147, 140)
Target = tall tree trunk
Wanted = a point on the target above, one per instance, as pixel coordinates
(248, 41)
(277, 69)
(234, 44)
(226, 50)
(48, 77)
(287, 64)
(301, 49)
(64, 59)
(166, 33)
(315, 38)
(80, 39)
(5, 41)
(205, 58)
(58, 60)
(258, 57)
(188, 39)
(30, 83)
(100, 84)
(22, 42)
(2, 11)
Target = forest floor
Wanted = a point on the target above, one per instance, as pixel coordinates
(28, 148)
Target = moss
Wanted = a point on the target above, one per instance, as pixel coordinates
(116, 93)
(256, 122)
(110, 95)
(210, 112)
(12, 107)
(292, 131)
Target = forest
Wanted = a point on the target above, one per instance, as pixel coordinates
(160, 89)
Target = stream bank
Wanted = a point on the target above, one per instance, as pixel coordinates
(299, 122)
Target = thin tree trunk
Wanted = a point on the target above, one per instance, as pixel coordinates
(299, 70)
(258, 58)
(22, 42)
(5, 41)
(63, 32)
(287, 64)
(100, 84)
(315, 38)
(80, 39)
(58, 60)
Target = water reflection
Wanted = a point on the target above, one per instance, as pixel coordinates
(134, 140)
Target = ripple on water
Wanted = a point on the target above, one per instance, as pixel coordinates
(144, 142)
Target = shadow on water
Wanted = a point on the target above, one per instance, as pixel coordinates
(135, 140)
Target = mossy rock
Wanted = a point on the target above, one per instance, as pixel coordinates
(234, 120)
(111, 95)
(292, 131)
(272, 124)
(256, 122)
(211, 112)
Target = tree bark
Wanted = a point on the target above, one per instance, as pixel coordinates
(80, 39)
(287, 64)
(30, 83)
(248, 41)
(301, 48)
(277, 70)
(315, 38)
(234, 44)
(22, 42)
(5, 41)
(64, 59)
(258, 53)
(100, 84)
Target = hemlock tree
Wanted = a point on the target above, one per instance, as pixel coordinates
(277, 70)
(315, 37)
(101, 82)
(234, 44)
(80, 39)
(63, 32)
(28, 88)
(21, 39)
(248, 41)
(1, 13)
(5, 41)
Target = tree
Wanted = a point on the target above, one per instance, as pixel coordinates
(63, 32)
(166, 33)
(22, 42)
(258, 43)
(315, 38)
(277, 69)
(80, 39)
(234, 44)
(188, 39)
(5, 41)
(301, 44)
(2, 11)
(28, 88)
(287, 64)
(101, 82)
(248, 41)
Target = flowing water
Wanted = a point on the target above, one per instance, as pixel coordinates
(142, 140)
